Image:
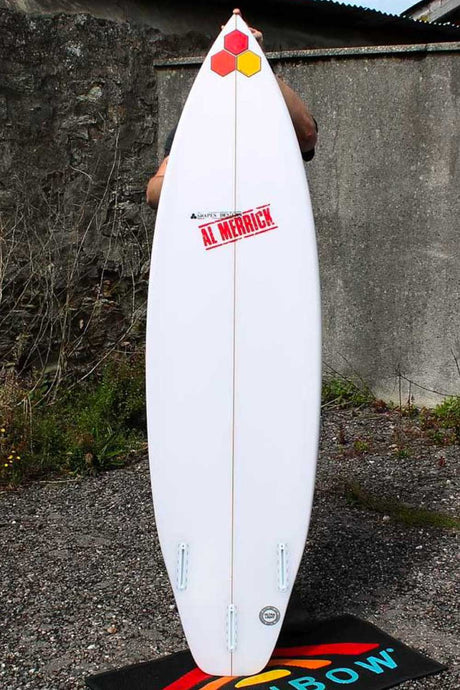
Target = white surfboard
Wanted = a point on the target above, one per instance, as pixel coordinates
(233, 359)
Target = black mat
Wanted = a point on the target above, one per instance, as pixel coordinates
(338, 652)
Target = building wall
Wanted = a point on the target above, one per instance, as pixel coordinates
(384, 186)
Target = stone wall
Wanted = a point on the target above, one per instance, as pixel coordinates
(78, 127)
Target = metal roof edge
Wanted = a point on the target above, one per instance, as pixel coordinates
(318, 53)
(402, 16)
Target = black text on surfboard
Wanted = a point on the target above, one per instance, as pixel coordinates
(236, 227)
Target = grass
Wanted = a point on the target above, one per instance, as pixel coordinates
(89, 428)
(399, 511)
(98, 424)
(343, 392)
(442, 424)
(360, 446)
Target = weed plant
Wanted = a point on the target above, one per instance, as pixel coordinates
(442, 424)
(90, 427)
(343, 392)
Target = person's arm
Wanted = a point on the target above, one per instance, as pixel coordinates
(155, 184)
(304, 124)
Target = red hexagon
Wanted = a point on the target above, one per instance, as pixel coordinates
(236, 42)
(223, 63)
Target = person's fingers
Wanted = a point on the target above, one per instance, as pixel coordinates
(258, 35)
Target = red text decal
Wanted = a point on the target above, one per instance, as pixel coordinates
(237, 227)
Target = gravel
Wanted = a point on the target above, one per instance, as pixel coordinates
(83, 588)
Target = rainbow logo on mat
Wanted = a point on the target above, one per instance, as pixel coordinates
(288, 666)
(235, 56)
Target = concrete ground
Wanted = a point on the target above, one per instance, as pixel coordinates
(83, 587)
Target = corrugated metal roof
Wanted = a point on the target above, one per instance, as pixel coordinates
(447, 5)
(367, 15)
(374, 23)
(402, 16)
(428, 8)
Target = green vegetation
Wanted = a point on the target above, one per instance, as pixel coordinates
(442, 424)
(97, 424)
(448, 412)
(343, 392)
(92, 426)
(360, 446)
(398, 511)
(402, 453)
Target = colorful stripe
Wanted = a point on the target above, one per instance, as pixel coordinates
(346, 648)
(265, 677)
(218, 683)
(301, 663)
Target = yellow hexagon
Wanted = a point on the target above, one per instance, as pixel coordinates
(248, 63)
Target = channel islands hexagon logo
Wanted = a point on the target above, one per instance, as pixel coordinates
(235, 56)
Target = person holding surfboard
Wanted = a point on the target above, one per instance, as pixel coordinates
(305, 127)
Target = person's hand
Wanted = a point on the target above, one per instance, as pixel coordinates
(258, 35)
